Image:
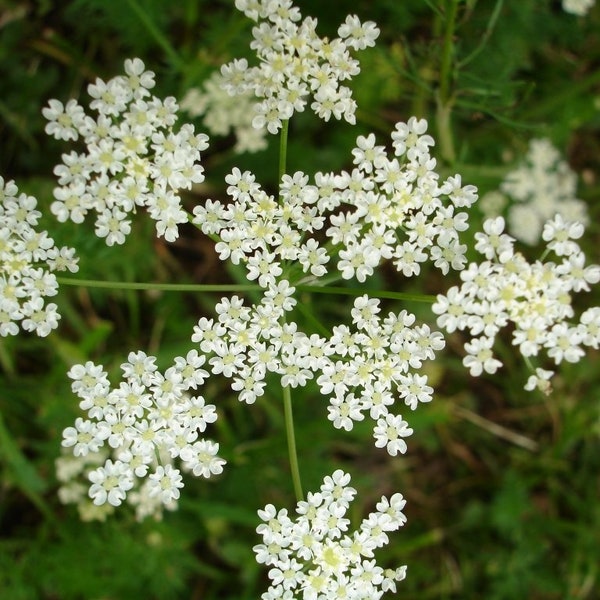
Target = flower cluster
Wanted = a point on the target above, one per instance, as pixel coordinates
(147, 422)
(223, 114)
(361, 371)
(536, 298)
(262, 233)
(295, 63)
(372, 365)
(386, 208)
(394, 207)
(133, 156)
(70, 470)
(28, 259)
(544, 185)
(314, 556)
(578, 7)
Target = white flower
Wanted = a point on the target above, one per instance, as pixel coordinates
(313, 557)
(294, 61)
(563, 343)
(28, 260)
(535, 297)
(410, 138)
(480, 357)
(63, 121)
(201, 458)
(542, 186)
(165, 483)
(85, 437)
(560, 235)
(343, 411)
(110, 483)
(146, 422)
(494, 242)
(221, 113)
(577, 7)
(132, 134)
(389, 433)
(540, 381)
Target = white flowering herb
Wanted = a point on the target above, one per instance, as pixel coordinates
(146, 423)
(537, 298)
(363, 370)
(314, 555)
(394, 208)
(135, 440)
(542, 186)
(28, 260)
(223, 114)
(579, 8)
(133, 156)
(295, 64)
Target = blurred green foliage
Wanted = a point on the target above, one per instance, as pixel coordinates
(488, 515)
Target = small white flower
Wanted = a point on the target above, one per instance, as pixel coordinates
(577, 7)
(110, 483)
(133, 156)
(389, 433)
(480, 357)
(28, 260)
(314, 555)
(165, 483)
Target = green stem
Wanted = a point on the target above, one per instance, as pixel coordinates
(167, 287)
(157, 34)
(291, 440)
(445, 99)
(283, 141)
(236, 287)
(287, 394)
(444, 129)
(487, 34)
(448, 51)
(342, 291)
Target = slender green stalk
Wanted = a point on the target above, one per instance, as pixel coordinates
(167, 287)
(444, 99)
(448, 51)
(313, 289)
(487, 34)
(237, 287)
(291, 440)
(287, 393)
(283, 140)
(161, 40)
(444, 128)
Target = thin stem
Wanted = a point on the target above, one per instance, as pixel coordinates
(161, 40)
(444, 127)
(291, 440)
(167, 287)
(498, 430)
(448, 51)
(287, 393)
(486, 34)
(444, 98)
(342, 291)
(283, 141)
(237, 287)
